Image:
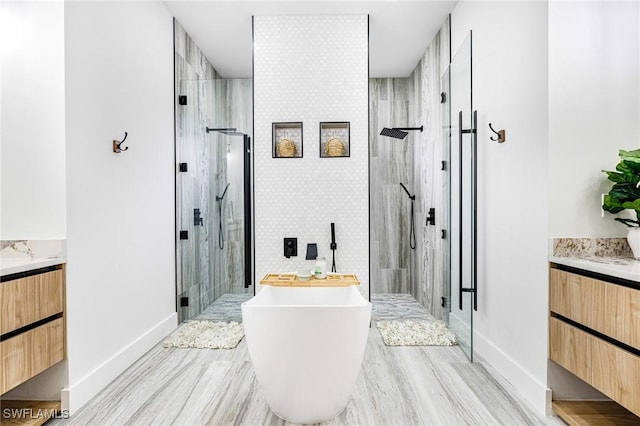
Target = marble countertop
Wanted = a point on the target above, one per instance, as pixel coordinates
(620, 267)
(14, 265)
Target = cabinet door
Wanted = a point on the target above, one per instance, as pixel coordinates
(574, 296)
(569, 347)
(50, 294)
(30, 353)
(611, 309)
(616, 373)
(620, 316)
(30, 299)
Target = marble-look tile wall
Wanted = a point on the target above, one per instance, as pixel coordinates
(416, 162)
(231, 103)
(391, 162)
(193, 187)
(430, 263)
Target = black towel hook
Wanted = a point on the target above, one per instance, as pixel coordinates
(501, 134)
(116, 144)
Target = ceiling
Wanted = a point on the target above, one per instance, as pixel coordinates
(399, 31)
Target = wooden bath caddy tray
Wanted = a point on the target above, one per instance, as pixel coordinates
(292, 280)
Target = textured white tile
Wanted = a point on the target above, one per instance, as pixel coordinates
(311, 69)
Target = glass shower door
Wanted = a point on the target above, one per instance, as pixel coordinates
(462, 178)
(192, 187)
(213, 198)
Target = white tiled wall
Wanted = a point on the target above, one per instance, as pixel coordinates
(311, 69)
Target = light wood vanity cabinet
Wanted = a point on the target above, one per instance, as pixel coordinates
(594, 332)
(31, 324)
(608, 308)
(566, 347)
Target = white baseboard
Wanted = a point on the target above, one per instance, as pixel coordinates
(79, 393)
(528, 387)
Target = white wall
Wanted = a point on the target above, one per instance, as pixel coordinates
(510, 91)
(563, 79)
(594, 109)
(120, 282)
(32, 114)
(316, 70)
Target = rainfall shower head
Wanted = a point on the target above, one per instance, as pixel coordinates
(398, 132)
(221, 129)
(232, 131)
(226, 130)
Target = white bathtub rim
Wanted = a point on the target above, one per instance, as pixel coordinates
(357, 300)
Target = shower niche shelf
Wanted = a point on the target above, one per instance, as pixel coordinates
(286, 140)
(334, 139)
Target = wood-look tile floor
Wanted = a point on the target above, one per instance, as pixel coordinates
(423, 385)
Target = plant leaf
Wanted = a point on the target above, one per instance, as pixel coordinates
(630, 167)
(633, 205)
(612, 205)
(628, 222)
(620, 177)
(633, 156)
(625, 191)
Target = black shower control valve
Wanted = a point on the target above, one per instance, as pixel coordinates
(443, 234)
(183, 167)
(431, 217)
(197, 218)
(290, 247)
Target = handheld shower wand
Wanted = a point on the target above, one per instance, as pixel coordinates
(333, 246)
(412, 232)
(412, 197)
(219, 199)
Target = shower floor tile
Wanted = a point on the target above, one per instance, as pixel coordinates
(225, 308)
(397, 306)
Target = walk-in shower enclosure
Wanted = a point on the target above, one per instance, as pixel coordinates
(213, 192)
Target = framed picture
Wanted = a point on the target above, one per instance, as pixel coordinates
(286, 140)
(334, 139)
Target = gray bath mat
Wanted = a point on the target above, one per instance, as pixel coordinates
(415, 333)
(206, 335)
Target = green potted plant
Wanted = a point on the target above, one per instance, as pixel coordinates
(625, 194)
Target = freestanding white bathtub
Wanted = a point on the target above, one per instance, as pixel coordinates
(306, 345)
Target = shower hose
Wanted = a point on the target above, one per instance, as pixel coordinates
(220, 231)
(412, 232)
